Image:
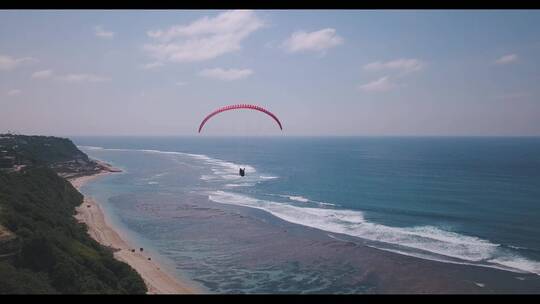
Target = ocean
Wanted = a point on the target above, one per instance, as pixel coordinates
(329, 214)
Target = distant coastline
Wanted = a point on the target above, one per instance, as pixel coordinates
(90, 213)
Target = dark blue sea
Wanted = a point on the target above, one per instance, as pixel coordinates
(472, 201)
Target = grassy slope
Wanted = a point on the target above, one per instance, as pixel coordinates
(52, 253)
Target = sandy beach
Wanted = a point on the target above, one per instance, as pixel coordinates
(90, 213)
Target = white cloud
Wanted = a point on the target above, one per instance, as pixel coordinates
(226, 74)
(14, 92)
(8, 63)
(74, 77)
(151, 65)
(380, 85)
(506, 59)
(314, 41)
(83, 78)
(100, 32)
(403, 64)
(203, 39)
(43, 74)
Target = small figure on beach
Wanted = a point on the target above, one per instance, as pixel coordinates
(242, 172)
(141, 249)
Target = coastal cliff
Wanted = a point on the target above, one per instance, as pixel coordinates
(43, 248)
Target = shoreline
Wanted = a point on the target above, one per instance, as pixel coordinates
(298, 250)
(89, 212)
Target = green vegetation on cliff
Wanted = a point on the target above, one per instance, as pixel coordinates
(44, 149)
(59, 154)
(43, 249)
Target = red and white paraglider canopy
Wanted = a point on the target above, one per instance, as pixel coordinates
(236, 107)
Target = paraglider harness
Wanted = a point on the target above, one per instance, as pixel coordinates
(242, 172)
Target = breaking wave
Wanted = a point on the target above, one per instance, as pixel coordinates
(427, 242)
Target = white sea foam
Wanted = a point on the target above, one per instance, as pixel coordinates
(326, 204)
(225, 170)
(298, 199)
(480, 284)
(425, 242)
(153, 183)
(427, 256)
(222, 170)
(90, 147)
(101, 148)
(240, 185)
(517, 262)
(302, 199)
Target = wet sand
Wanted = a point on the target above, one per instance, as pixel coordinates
(156, 279)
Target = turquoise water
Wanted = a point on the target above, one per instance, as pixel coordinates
(459, 200)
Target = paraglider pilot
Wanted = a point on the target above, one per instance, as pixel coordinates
(242, 172)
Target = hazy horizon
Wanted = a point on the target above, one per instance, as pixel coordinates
(323, 73)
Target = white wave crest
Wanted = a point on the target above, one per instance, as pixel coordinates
(240, 185)
(298, 199)
(423, 242)
(90, 148)
(225, 170)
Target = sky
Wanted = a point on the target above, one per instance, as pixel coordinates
(335, 72)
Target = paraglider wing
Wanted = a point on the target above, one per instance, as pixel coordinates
(239, 106)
